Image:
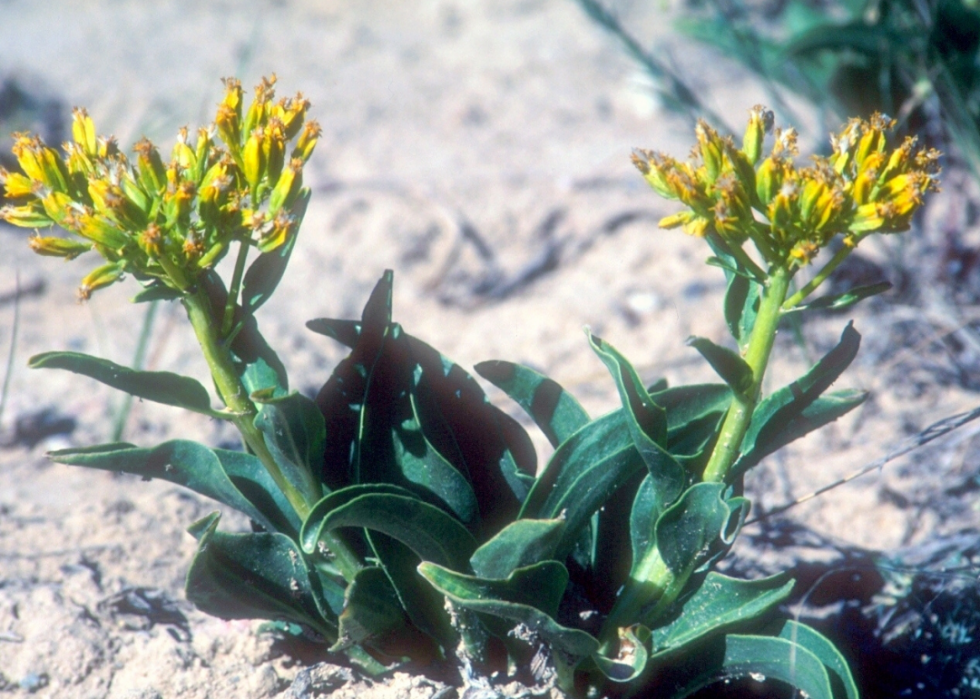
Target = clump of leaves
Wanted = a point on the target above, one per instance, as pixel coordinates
(400, 516)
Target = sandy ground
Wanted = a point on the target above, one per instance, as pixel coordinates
(480, 149)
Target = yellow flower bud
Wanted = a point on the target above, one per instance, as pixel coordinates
(769, 179)
(83, 132)
(30, 215)
(150, 167)
(710, 149)
(57, 206)
(258, 111)
(50, 246)
(274, 149)
(99, 278)
(202, 153)
(288, 186)
(16, 185)
(253, 162)
(681, 218)
(99, 230)
(867, 217)
(307, 140)
(182, 153)
(293, 112)
(278, 234)
(228, 123)
(151, 240)
(760, 123)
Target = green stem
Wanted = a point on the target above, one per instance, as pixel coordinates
(828, 269)
(236, 285)
(757, 357)
(243, 413)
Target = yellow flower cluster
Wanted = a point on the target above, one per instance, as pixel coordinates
(791, 212)
(168, 221)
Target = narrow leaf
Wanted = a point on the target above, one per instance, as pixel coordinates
(553, 409)
(512, 599)
(254, 576)
(156, 292)
(158, 386)
(820, 646)
(519, 544)
(346, 332)
(193, 466)
(729, 365)
(431, 533)
(719, 604)
(774, 414)
(839, 302)
(295, 435)
(265, 273)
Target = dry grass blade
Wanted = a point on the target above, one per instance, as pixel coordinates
(13, 346)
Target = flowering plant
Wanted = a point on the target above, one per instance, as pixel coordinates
(400, 516)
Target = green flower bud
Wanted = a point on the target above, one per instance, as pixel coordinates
(150, 168)
(288, 186)
(307, 140)
(83, 132)
(30, 215)
(760, 123)
(253, 161)
(99, 278)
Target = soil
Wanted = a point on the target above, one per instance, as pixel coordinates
(481, 150)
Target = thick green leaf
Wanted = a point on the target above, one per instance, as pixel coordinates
(371, 609)
(198, 468)
(762, 657)
(346, 332)
(581, 475)
(729, 365)
(634, 654)
(688, 531)
(295, 435)
(742, 294)
(646, 422)
(839, 302)
(643, 518)
(158, 386)
(254, 576)
(820, 412)
(719, 604)
(821, 646)
(265, 273)
(775, 413)
(431, 533)
(524, 598)
(552, 408)
(519, 544)
(156, 292)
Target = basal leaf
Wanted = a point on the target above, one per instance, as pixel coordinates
(775, 413)
(345, 332)
(519, 544)
(762, 657)
(371, 609)
(158, 386)
(552, 408)
(827, 652)
(254, 576)
(431, 533)
(581, 475)
(728, 364)
(295, 435)
(634, 654)
(820, 412)
(523, 598)
(643, 518)
(253, 480)
(265, 273)
(193, 466)
(719, 604)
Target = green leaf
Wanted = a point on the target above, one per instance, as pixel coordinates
(422, 465)
(158, 386)
(634, 651)
(552, 408)
(776, 412)
(156, 292)
(295, 435)
(761, 656)
(839, 302)
(729, 365)
(643, 518)
(193, 466)
(688, 531)
(581, 475)
(646, 422)
(821, 646)
(371, 609)
(431, 533)
(719, 604)
(742, 294)
(254, 576)
(519, 544)
(265, 273)
(820, 412)
(252, 478)
(525, 597)
(346, 332)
